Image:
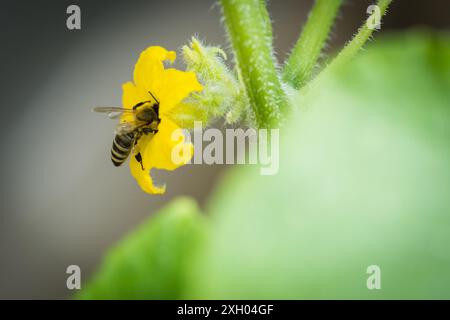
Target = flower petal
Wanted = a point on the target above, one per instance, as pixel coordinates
(149, 68)
(174, 86)
(143, 178)
(131, 96)
(167, 149)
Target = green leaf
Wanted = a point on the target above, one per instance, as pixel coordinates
(364, 180)
(152, 261)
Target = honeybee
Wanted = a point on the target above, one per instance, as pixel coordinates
(146, 114)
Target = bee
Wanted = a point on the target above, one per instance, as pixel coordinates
(146, 115)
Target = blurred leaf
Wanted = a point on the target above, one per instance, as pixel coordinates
(364, 180)
(151, 262)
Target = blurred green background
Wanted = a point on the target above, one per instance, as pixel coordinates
(364, 181)
(63, 203)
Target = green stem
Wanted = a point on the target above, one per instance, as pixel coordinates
(249, 28)
(358, 41)
(352, 47)
(303, 58)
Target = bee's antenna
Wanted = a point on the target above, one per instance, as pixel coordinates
(154, 97)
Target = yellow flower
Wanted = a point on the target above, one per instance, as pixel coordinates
(169, 87)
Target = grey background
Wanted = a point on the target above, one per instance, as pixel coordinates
(61, 200)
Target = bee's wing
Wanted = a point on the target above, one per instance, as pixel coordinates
(113, 112)
(125, 127)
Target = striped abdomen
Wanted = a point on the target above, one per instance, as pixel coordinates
(121, 148)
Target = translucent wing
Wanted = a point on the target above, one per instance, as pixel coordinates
(125, 127)
(113, 112)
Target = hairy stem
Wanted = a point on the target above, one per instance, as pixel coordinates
(358, 41)
(300, 64)
(250, 32)
(352, 47)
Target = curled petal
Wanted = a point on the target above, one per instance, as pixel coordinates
(149, 68)
(143, 178)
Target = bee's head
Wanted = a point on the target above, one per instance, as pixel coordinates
(147, 112)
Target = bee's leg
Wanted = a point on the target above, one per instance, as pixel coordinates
(138, 155)
(149, 130)
(138, 158)
(137, 137)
